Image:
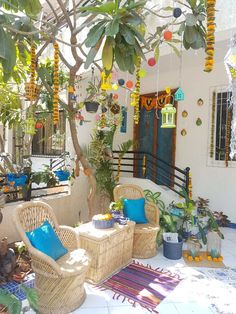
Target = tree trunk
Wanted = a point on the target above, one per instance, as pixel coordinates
(79, 153)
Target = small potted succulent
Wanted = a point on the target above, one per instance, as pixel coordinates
(91, 103)
(116, 209)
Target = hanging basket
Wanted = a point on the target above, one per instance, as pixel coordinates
(91, 106)
(32, 91)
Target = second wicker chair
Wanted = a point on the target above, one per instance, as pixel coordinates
(144, 245)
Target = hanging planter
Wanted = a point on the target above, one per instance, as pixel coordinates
(91, 106)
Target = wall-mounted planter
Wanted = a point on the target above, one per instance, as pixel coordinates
(16, 180)
(62, 175)
(91, 106)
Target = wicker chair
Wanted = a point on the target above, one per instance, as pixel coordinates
(59, 284)
(144, 245)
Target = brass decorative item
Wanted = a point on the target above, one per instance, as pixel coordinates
(184, 114)
(199, 121)
(183, 132)
(200, 102)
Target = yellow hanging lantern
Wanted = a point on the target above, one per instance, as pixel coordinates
(106, 81)
(168, 116)
(55, 100)
(29, 126)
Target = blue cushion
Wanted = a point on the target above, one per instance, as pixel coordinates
(135, 211)
(46, 240)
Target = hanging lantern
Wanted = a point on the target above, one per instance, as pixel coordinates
(177, 12)
(214, 246)
(168, 116)
(106, 81)
(121, 82)
(179, 94)
(29, 126)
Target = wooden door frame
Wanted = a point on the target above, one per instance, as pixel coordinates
(155, 129)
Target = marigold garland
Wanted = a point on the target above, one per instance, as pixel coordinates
(210, 35)
(55, 100)
(30, 87)
(213, 124)
(227, 135)
(137, 91)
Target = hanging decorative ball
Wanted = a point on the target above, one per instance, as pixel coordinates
(142, 73)
(177, 12)
(121, 82)
(167, 35)
(97, 117)
(129, 84)
(115, 86)
(183, 132)
(38, 125)
(184, 114)
(115, 96)
(152, 62)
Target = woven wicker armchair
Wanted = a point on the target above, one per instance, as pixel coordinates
(59, 284)
(144, 245)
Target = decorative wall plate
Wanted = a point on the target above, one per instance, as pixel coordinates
(183, 132)
(184, 114)
(200, 102)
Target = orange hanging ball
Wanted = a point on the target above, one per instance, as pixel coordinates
(129, 84)
(167, 35)
(115, 96)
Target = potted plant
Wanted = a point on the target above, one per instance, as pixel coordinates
(47, 176)
(91, 102)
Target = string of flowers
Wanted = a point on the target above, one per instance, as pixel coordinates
(227, 135)
(213, 112)
(56, 84)
(137, 92)
(31, 86)
(210, 35)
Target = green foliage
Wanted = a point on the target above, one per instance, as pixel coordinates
(154, 197)
(47, 176)
(29, 7)
(12, 304)
(31, 296)
(119, 32)
(124, 148)
(118, 205)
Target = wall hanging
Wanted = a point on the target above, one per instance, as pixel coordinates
(184, 114)
(199, 121)
(200, 102)
(183, 132)
(123, 127)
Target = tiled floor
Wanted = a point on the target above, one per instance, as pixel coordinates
(183, 300)
(189, 297)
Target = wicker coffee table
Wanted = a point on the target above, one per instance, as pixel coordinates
(109, 249)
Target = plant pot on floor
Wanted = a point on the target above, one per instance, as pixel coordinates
(173, 250)
(91, 106)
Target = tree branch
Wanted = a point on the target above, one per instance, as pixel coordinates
(66, 15)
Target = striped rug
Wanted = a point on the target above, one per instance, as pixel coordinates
(141, 285)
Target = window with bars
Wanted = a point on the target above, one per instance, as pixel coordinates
(44, 140)
(221, 116)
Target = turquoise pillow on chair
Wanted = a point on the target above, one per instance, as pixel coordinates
(135, 210)
(46, 240)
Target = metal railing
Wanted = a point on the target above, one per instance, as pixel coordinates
(58, 162)
(29, 190)
(148, 166)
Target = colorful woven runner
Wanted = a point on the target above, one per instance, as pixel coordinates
(141, 284)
